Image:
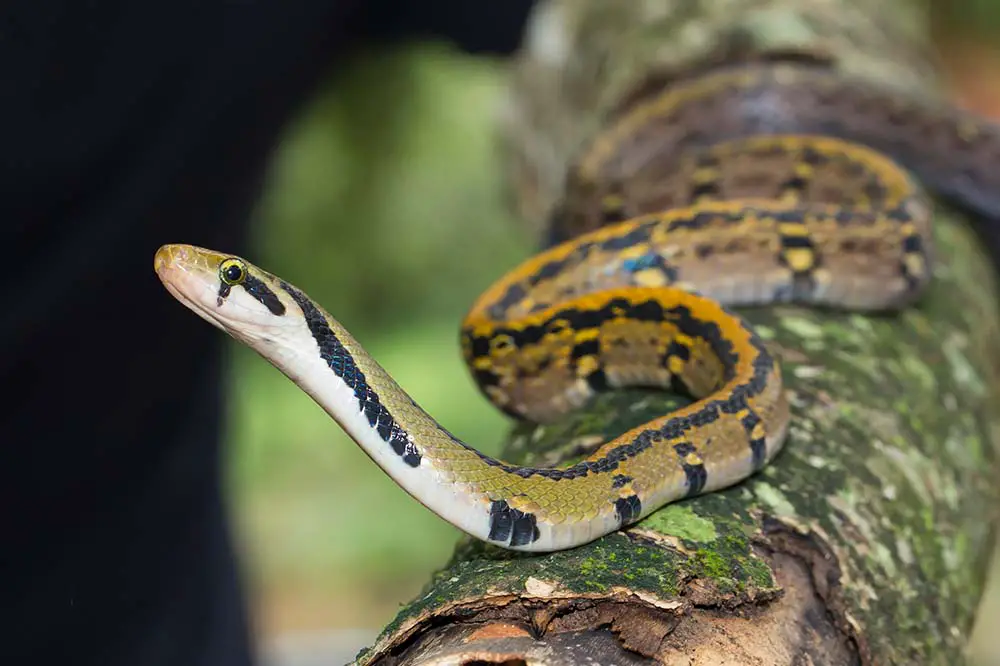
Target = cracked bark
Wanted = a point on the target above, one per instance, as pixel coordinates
(867, 540)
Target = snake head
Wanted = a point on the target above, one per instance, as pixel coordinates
(227, 291)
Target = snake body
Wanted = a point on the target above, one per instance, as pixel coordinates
(664, 227)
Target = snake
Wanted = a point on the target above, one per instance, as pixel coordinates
(748, 185)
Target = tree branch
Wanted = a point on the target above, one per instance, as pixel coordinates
(867, 540)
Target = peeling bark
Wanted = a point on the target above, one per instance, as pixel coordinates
(867, 540)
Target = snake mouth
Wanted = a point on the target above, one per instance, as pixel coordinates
(182, 269)
(189, 278)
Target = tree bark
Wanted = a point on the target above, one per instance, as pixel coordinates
(867, 540)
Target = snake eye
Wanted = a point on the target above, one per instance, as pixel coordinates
(232, 272)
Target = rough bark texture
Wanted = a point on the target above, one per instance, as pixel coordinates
(867, 540)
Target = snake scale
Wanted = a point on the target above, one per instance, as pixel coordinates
(745, 185)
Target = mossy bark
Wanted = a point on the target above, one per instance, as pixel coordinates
(866, 541)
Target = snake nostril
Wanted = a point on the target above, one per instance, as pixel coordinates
(168, 256)
(161, 259)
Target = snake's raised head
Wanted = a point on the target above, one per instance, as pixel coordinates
(227, 291)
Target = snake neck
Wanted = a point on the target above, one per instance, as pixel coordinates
(361, 396)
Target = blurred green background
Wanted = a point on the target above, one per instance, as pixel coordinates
(385, 204)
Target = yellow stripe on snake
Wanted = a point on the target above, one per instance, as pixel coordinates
(744, 186)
